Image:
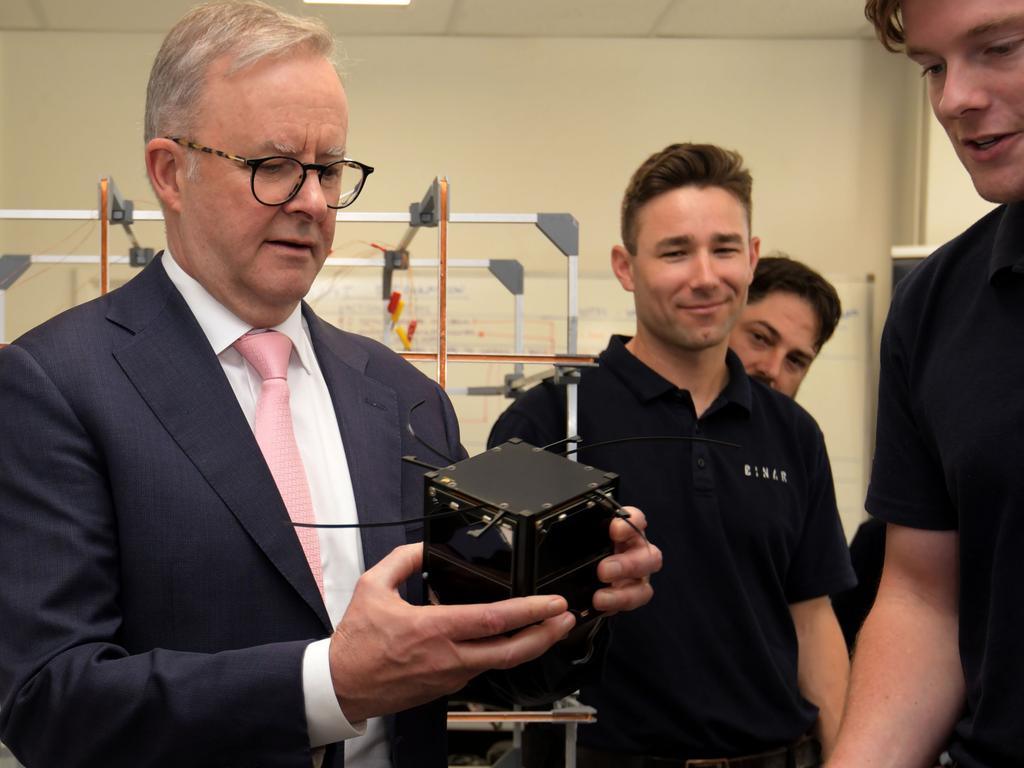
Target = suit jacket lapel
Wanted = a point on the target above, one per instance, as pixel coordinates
(171, 364)
(370, 423)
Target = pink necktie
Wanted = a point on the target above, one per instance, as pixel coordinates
(268, 353)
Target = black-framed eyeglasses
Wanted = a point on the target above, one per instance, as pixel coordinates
(277, 179)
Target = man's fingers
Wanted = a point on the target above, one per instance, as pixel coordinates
(624, 596)
(636, 563)
(623, 531)
(478, 621)
(525, 645)
(398, 566)
(629, 569)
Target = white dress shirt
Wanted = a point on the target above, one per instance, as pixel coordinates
(330, 486)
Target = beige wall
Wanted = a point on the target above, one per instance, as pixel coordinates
(952, 204)
(517, 125)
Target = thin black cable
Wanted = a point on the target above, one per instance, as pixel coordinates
(620, 512)
(687, 438)
(403, 521)
(418, 463)
(573, 439)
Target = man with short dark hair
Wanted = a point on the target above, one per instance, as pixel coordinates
(791, 312)
(938, 663)
(738, 656)
(164, 449)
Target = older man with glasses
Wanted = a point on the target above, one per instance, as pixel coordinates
(165, 450)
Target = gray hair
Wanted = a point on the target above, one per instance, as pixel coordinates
(249, 30)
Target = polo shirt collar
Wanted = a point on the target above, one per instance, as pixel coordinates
(648, 385)
(1007, 252)
(738, 389)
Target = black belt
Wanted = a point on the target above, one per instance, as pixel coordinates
(805, 753)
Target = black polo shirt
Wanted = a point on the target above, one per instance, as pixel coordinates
(709, 666)
(950, 456)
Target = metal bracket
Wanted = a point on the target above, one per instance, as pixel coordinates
(122, 211)
(562, 229)
(119, 210)
(563, 375)
(11, 268)
(422, 214)
(566, 375)
(509, 273)
(393, 260)
(139, 257)
(426, 212)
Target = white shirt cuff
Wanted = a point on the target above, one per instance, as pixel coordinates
(324, 719)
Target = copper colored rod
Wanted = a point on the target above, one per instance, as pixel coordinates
(442, 285)
(104, 254)
(485, 357)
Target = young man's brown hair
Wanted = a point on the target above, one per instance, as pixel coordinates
(683, 165)
(887, 20)
(778, 273)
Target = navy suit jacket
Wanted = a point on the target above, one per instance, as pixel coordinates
(155, 604)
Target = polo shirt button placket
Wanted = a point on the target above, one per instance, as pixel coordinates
(702, 475)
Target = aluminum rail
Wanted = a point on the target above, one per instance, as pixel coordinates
(445, 216)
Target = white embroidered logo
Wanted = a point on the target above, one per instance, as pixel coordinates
(765, 473)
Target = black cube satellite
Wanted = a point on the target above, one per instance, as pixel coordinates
(517, 520)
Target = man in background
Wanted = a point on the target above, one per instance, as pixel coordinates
(791, 312)
(938, 663)
(158, 447)
(738, 656)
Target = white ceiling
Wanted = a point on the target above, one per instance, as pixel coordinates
(502, 18)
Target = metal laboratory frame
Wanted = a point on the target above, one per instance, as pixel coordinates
(569, 716)
(432, 211)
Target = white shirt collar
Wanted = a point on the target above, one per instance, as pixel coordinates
(222, 327)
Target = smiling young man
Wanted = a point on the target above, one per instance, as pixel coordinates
(791, 312)
(738, 655)
(159, 607)
(938, 663)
